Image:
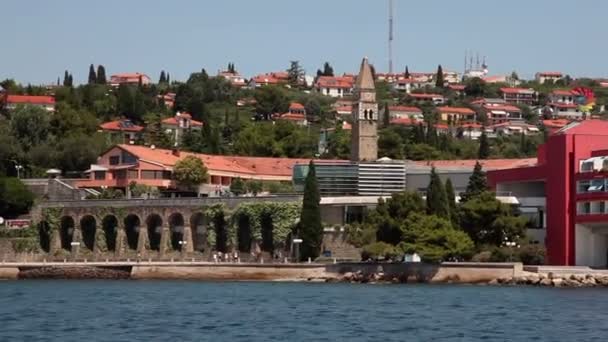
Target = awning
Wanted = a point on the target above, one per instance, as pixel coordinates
(533, 129)
(95, 167)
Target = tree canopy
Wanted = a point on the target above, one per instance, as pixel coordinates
(190, 172)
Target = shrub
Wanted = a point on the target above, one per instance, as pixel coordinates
(379, 251)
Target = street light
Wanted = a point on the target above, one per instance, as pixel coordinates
(18, 167)
(296, 243)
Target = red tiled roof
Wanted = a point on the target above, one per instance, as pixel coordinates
(173, 120)
(266, 79)
(458, 87)
(426, 96)
(562, 92)
(557, 123)
(344, 82)
(488, 164)
(292, 117)
(470, 125)
(516, 124)
(121, 125)
(405, 109)
(550, 73)
(29, 99)
(441, 126)
(586, 127)
(506, 108)
(456, 110)
(342, 109)
(516, 90)
(296, 105)
(405, 121)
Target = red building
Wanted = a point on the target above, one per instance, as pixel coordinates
(568, 187)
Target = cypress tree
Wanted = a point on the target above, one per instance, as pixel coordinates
(162, 79)
(407, 72)
(92, 75)
(101, 74)
(386, 119)
(451, 197)
(66, 79)
(58, 81)
(436, 198)
(439, 81)
(70, 80)
(327, 69)
(477, 184)
(484, 146)
(168, 79)
(310, 228)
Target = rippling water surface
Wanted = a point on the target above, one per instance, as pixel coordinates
(198, 311)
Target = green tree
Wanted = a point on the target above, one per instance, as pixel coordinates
(390, 144)
(435, 239)
(30, 125)
(163, 78)
(407, 72)
(327, 70)
(475, 87)
(92, 75)
(15, 198)
(489, 222)
(386, 118)
(190, 172)
(271, 99)
(439, 80)
(237, 187)
(101, 75)
(451, 197)
(310, 228)
(478, 184)
(295, 74)
(436, 199)
(484, 146)
(254, 187)
(389, 215)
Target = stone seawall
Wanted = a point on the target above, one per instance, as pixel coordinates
(9, 273)
(233, 272)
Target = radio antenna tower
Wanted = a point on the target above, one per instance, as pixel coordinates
(390, 36)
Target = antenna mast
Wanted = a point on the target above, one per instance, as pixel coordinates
(390, 36)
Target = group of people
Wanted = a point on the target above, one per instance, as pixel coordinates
(226, 257)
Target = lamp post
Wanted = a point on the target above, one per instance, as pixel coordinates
(182, 246)
(296, 245)
(75, 247)
(18, 167)
(511, 245)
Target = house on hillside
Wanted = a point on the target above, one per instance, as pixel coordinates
(180, 123)
(456, 114)
(435, 99)
(295, 114)
(544, 76)
(519, 95)
(132, 78)
(10, 102)
(121, 131)
(335, 86)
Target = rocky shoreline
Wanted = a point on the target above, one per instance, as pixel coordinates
(531, 279)
(74, 273)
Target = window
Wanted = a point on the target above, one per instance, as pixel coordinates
(587, 166)
(582, 186)
(99, 175)
(128, 158)
(120, 174)
(114, 160)
(132, 174)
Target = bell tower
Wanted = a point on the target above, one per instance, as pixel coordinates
(364, 141)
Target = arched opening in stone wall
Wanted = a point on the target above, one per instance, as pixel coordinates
(244, 234)
(221, 233)
(132, 226)
(198, 225)
(88, 225)
(66, 232)
(45, 238)
(267, 233)
(110, 229)
(176, 227)
(155, 229)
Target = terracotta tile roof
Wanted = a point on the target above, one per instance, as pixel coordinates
(343, 82)
(458, 87)
(506, 108)
(517, 90)
(426, 96)
(344, 109)
(173, 120)
(456, 110)
(292, 117)
(470, 125)
(550, 73)
(562, 105)
(296, 105)
(508, 124)
(557, 123)
(30, 99)
(246, 166)
(405, 109)
(121, 125)
(488, 164)
(266, 79)
(559, 92)
(405, 122)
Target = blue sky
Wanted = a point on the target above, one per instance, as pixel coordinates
(40, 39)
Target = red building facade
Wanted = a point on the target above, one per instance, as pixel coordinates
(574, 204)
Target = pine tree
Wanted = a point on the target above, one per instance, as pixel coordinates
(484, 146)
(407, 72)
(92, 75)
(295, 73)
(162, 79)
(310, 228)
(168, 79)
(439, 81)
(66, 79)
(451, 197)
(101, 75)
(477, 184)
(436, 198)
(386, 119)
(327, 69)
